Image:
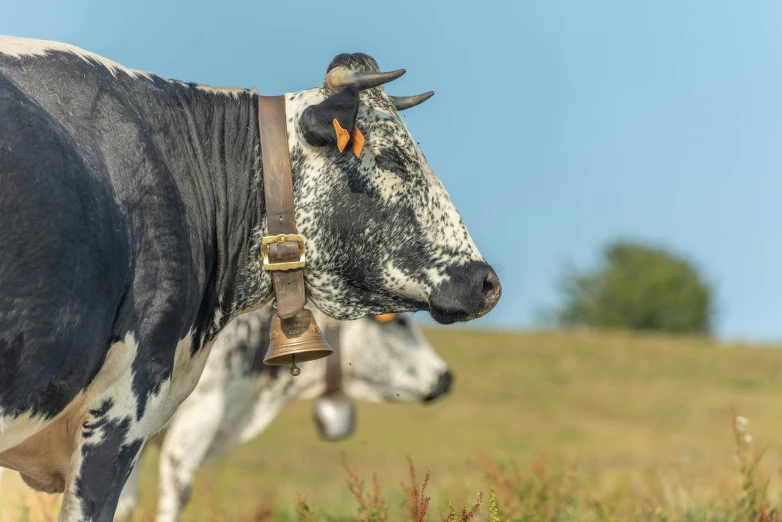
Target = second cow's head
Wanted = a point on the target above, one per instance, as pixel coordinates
(382, 233)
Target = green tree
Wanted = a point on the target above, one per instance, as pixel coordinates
(640, 288)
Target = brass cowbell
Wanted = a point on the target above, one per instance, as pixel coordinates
(296, 339)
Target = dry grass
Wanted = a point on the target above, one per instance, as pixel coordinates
(563, 425)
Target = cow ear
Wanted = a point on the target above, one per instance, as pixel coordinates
(317, 121)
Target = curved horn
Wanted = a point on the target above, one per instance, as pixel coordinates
(338, 78)
(405, 102)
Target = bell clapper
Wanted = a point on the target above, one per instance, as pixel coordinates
(295, 370)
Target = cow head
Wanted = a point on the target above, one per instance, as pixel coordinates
(387, 358)
(382, 233)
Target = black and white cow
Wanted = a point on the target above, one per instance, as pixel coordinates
(131, 214)
(236, 397)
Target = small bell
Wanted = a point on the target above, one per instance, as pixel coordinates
(296, 339)
(335, 416)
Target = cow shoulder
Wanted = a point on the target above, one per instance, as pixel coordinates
(64, 261)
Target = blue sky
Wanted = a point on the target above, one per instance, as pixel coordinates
(556, 127)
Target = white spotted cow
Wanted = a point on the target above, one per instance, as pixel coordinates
(237, 396)
(131, 215)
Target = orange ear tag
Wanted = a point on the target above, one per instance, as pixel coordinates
(358, 142)
(342, 136)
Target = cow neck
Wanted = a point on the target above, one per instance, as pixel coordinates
(288, 283)
(333, 364)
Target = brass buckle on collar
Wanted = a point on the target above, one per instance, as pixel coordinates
(283, 265)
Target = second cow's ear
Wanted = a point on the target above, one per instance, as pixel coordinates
(317, 122)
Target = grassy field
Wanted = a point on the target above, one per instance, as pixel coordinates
(565, 426)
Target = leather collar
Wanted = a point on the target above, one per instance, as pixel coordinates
(282, 248)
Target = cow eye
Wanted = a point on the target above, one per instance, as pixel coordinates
(391, 163)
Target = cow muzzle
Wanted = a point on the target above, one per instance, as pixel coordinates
(443, 386)
(469, 291)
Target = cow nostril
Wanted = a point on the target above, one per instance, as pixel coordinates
(442, 387)
(446, 379)
(487, 286)
(491, 287)
(491, 291)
